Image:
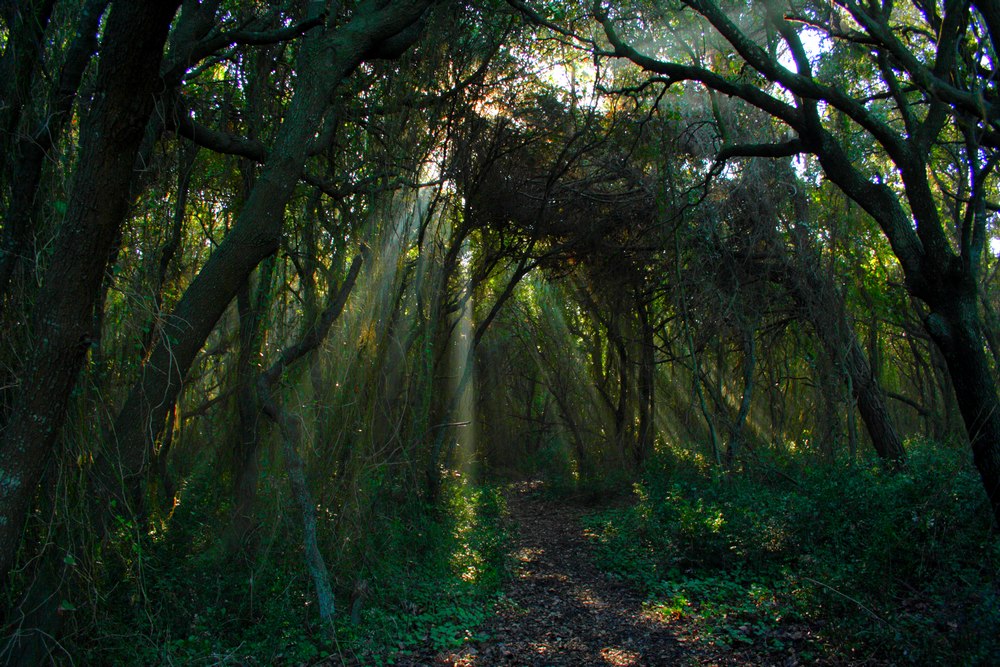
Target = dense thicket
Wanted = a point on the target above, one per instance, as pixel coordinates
(295, 270)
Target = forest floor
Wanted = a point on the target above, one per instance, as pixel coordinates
(560, 609)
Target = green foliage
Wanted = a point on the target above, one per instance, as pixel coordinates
(859, 559)
(553, 462)
(435, 578)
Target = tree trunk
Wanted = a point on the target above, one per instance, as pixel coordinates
(326, 60)
(956, 328)
(62, 316)
(647, 387)
(252, 309)
(31, 151)
(622, 404)
(437, 448)
(749, 345)
(871, 404)
(991, 329)
(24, 44)
(291, 437)
(824, 309)
(829, 378)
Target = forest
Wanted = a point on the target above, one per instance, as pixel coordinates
(343, 332)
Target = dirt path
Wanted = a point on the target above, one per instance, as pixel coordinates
(561, 609)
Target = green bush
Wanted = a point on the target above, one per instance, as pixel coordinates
(890, 564)
(432, 573)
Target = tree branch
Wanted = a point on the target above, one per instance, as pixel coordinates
(216, 140)
(784, 149)
(313, 336)
(199, 51)
(675, 73)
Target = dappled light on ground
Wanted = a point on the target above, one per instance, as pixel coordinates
(620, 658)
(561, 610)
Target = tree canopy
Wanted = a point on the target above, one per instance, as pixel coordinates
(305, 258)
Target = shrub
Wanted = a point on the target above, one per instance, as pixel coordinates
(901, 564)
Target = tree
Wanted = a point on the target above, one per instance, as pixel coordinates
(327, 58)
(61, 318)
(929, 103)
(23, 162)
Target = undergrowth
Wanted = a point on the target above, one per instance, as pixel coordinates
(417, 577)
(851, 563)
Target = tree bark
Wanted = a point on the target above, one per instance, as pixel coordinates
(252, 309)
(291, 438)
(31, 150)
(647, 386)
(825, 311)
(872, 405)
(956, 328)
(22, 54)
(736, 433)
(61, 319)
